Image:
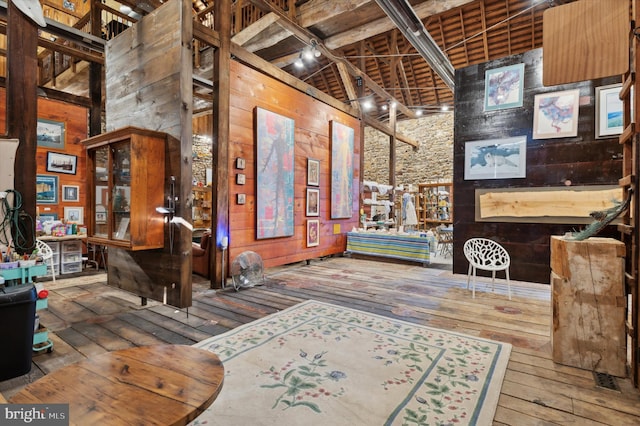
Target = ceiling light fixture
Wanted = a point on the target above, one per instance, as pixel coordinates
(298, 63)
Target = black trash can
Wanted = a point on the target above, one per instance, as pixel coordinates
(17, 318)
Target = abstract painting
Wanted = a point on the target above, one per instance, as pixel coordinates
(555, 115)
(341, 170)
(274, 174)
(503, 87)
(496, 158)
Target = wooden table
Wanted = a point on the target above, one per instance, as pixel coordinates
(151, 385)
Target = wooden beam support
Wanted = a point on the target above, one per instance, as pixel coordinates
(220, 137)
(378, 125)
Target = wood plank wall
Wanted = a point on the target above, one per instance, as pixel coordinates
(75, 121)
(251, 89)
(580, 160)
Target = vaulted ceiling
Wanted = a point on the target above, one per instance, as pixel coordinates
(362, 51)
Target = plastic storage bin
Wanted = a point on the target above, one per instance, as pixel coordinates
(17, 316)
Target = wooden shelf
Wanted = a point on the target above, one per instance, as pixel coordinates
(435, 205)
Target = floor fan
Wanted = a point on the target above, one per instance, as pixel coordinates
(247, 270)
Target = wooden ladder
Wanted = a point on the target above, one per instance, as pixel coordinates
(629, 229)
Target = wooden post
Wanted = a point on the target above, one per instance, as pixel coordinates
(95, 75)
(220, 193)
(22, 107)
(392, 157)
(589, 304)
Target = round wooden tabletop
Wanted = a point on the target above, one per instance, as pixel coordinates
(158, 384)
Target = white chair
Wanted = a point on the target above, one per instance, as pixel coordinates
(486, 255)
(47, 255)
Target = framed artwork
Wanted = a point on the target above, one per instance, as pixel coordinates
(313, 172)
(48, 217)
(61, 163)
(50, 133)
(240, 163)
(71, 193)
(46, 189)
(313, 232)
(503, 87)
(240, 179)
(555, 115)
(241, 198)
(313, 202)
(341, 170)
(274, 174)
(74, 214)
(496, 158)
(101, 217)
(609, 112)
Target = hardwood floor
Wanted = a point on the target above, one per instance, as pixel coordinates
(86, 317)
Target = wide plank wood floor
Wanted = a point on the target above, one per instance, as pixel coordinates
(86, 318)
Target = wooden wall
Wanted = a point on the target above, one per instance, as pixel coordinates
(75, 120)
(251, 89)
(580, 160)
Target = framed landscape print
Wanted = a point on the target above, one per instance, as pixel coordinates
(313, 202)
(342, 139)
(555, 115)
(74, 214)
(496, 158)
(46, 189)
(61, 163)
(274, 174)
(609, 112)
(50, 133)
(503, 87)
(313, 232)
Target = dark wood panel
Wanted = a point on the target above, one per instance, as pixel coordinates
(579, 160)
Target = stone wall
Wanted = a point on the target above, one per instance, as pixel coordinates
(432, 162)
(202, 158)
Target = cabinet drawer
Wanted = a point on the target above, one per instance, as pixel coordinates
(55, 246)
(70, 268)
(71, 257)
(72, 246)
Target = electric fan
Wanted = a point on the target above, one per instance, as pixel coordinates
(247, 270)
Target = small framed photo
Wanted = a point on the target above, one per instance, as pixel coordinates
(313, 172)
(241, 198)
(74, 214)
(101, 217)
(313, 202)
(313, 232)
(50, 133)
(609, 111)
(46, 189)
(61, 163)
(240, 163)
(555, 115)
(48, 217)
(71, 193)
(240, 179)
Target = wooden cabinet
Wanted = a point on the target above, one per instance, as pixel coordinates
(435, 204)
(126, 181)
(201, 207)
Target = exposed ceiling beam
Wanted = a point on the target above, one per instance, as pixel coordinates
(413, 29)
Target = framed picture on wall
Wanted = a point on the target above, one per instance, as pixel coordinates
(609, 112)
(46, 189)
(61, 163)
(503, 87)
(313, 202)
(496, 158)
(74, 214)
(48, 217)
(274, 174)
(313, 172)
(342, 140)
(50, 133)
(555, 115)
(71, 193)
(313, 232)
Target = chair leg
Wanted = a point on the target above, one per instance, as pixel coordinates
(508, 283)
(473, 292)
(469, 276)
(493, 281)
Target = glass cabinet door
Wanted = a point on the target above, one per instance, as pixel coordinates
(101, 198)
(121, 193)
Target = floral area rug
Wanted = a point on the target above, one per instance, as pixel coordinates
(321, 364)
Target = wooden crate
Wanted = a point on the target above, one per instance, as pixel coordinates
(588, 304)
